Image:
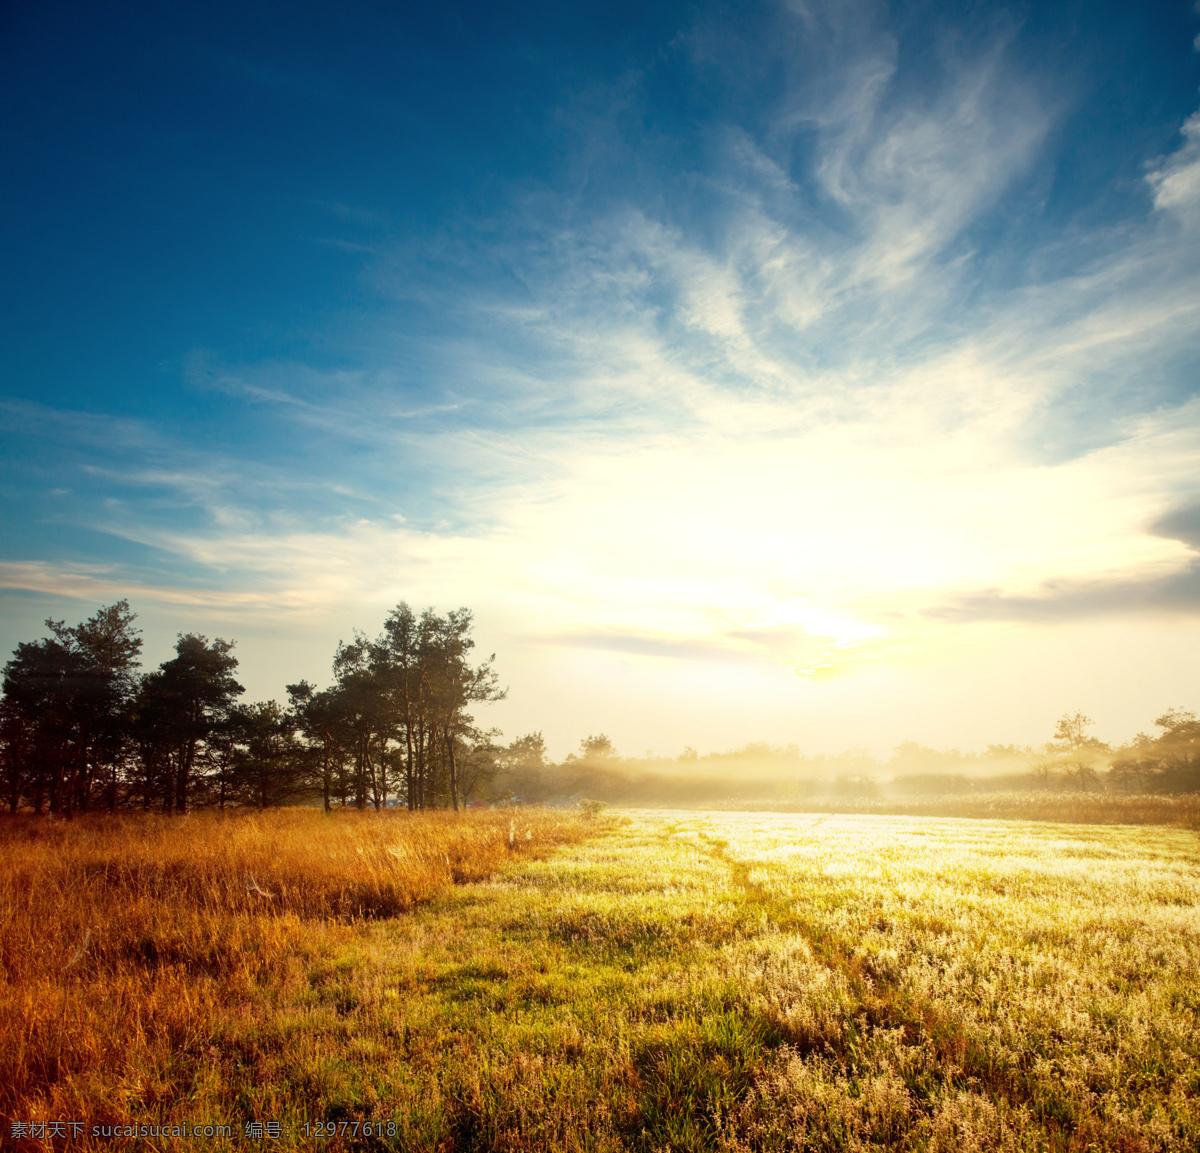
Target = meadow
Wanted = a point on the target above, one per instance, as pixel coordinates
(533, 980)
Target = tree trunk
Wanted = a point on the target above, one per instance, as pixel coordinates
(57, 782)
(360, 774)
(187, 755)
(408, 764)
(328, 743)
(453, 767)
(374, 772)
(421, 759)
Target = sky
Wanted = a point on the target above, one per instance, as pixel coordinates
(802, 372)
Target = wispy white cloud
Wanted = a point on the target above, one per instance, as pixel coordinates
(1175, 179)
(92, 583)
(30, 419)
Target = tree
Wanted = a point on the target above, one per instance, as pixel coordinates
(596, 769)
(1169, 763)
(596, 748)
(18, 753)
(40, 726)
(65, 719)
(359, 704)
(399, 663)
(454, 683)
(266, 770)
(1077, 754)
(527, 752)
(397, 712)
(1178, 751)
(315, 715)
(1045, 770)
(1133, 764)
(182, 704)
(522, 765)
(110, 647)
(477, 759)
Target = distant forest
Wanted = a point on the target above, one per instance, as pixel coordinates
(81, 728)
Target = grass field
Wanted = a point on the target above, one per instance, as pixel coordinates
(677, 981)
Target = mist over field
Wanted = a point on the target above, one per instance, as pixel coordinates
(762, 773)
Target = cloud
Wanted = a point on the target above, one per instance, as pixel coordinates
(1181, 524)
(1065, 600)
(95, 583)
(669, 648)
(913, 176)
(1175, 178)
(92, 430)
(777, 644)
(1176, 592)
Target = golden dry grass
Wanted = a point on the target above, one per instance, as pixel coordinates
(675, 982)
(128, 943)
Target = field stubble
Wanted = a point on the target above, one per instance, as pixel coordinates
(678, 981)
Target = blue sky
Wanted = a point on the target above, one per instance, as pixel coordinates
(804, 372)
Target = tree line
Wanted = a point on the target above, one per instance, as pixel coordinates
(82, 728)
(1167, 763)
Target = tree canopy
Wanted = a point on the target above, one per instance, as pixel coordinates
(79, 725)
